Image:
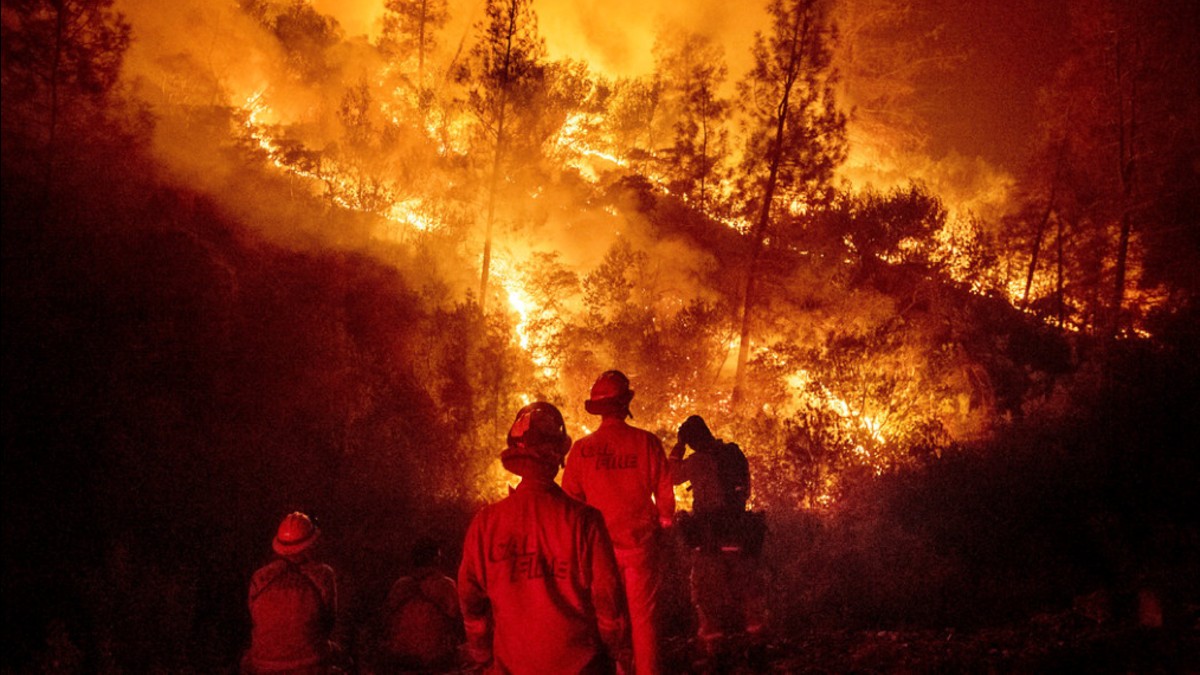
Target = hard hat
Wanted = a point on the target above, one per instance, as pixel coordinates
(538, 433)
(610, 394)
(295, 534)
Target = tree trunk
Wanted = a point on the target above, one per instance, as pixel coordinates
(1127, 131)
(764, 217)
(1041, 229)
(496, 163)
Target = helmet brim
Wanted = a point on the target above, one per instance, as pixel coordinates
(293, 547)
(609, 406)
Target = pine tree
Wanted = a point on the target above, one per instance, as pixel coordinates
(409, 30)
(506, 65)
(692, 70)
(796, 134)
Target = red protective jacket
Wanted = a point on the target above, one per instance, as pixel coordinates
(292, 606)
(539, 586)
(622, 470)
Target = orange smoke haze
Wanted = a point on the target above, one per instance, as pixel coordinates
(613, 36)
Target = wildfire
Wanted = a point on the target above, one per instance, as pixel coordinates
(534, 341)
(573, 144)
(865, 430)
(581, 143)
(411, 213)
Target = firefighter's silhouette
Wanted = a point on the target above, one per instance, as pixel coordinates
(420, 624)
(725, 540)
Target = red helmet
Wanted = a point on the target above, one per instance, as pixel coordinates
(539, 434)
(295, 534)
(610, 394)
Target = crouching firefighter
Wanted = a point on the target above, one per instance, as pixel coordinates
(293, 607)
(727, 585)
(539, 586)
(421, 626)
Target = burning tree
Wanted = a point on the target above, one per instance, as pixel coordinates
(504, 72)
(796, 134)
(1092, 234)
(693, 71)
(409, 28)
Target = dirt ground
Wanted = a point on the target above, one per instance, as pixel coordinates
(1051, 643)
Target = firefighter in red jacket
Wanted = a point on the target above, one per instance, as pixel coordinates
(539, 587)
(293, 605)
(622, 470)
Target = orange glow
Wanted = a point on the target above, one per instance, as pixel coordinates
(395, 180)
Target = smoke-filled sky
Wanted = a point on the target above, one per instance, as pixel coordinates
(978, 116)
(984, 108)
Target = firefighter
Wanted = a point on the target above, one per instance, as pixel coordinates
(539, 586)
(726, 583)
(421, 622)
(293, 605)
(622, 470)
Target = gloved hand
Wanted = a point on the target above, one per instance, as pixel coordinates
(678, 450)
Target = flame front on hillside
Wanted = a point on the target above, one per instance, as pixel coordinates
(414, 160)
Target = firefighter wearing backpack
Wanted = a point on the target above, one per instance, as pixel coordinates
(421, 622)
(622, 470)
(538, 585)
(726, 582)
(293, 605)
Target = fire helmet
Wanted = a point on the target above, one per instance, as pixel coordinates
(539, 434)
(296, 533)
(610, 394)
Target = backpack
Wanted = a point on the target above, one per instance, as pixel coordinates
(417, 632)
(291, 619)
(733, 474)
(734, 528)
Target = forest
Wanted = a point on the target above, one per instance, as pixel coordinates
(255, 263)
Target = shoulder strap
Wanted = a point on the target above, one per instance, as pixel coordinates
(291, 568)
(735, 473)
